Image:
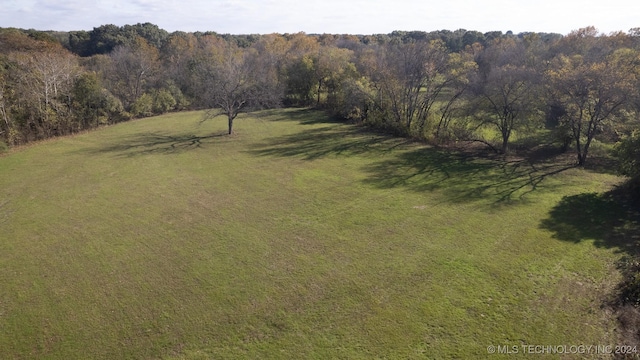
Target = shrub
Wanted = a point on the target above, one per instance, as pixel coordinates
(629, 289)
(628, 154)
(163, 101)
(181, 100)
(110, 109)
(143, 106)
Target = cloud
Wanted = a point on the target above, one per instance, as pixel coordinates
(63, 6)
(327, 16)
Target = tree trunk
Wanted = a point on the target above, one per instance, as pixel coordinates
(582, 158)
(505, 146)
(230, 125)
(506, 134)
(4, 115)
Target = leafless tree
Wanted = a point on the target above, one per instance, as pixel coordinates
(236, 81)
(133, 68)
(409, 78)
(506, 90)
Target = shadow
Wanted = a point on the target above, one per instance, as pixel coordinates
(544, 152)
(462, 176)
(611, 220)
(304, 116)
(329, 140)
(155, 143)
(465, 175)
(602, 165)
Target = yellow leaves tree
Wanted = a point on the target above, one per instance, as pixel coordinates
(591, 92)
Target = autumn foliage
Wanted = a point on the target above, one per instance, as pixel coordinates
(441, 86)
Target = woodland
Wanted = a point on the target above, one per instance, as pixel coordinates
(439, 86)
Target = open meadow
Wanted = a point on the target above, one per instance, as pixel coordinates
(295, 237)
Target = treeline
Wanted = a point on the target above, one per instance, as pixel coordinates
(438, 86)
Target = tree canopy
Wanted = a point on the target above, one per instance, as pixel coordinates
(436, 86)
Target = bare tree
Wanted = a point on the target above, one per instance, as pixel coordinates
(461, 70)
(134, 67)
(43, 82)
(236, 81)
(506, 89)
(409, 78)
(3, 107)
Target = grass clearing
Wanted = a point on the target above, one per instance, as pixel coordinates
(296, 237)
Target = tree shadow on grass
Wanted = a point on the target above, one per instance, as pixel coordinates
(304, 116)
(403, 163)
(462, 176)
(155, 143)
(611, 220)
(329, 140)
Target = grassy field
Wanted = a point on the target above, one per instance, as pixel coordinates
(296, 237)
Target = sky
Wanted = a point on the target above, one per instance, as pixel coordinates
(325, 16)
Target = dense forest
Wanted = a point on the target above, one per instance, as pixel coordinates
(441, 86)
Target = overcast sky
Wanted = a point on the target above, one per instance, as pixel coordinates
(326, 16)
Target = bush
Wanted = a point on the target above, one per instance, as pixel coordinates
(629, 289)
(181, 100)
(143, 106)
(3, 147)
(112, 110)
(628, 154)
(163, 101)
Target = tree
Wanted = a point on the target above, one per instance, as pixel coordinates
(329, 66)
(35, 79)
(178, 59)
(461, 70)
(591, 93)
(300, 69)
(628, 153)
(272, 52)
(301, 82)
(234, 83)
(506, 89)
(134, 68)
(103, 39)
(43, 81)
(352, 98)
(5, 125)
(409, 79)
(87, 99)
(92, 104)
(153, 35)
(79, 42)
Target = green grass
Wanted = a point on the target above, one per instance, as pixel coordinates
(296, 237)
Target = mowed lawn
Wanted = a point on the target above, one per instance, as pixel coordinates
(296, 237)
